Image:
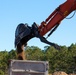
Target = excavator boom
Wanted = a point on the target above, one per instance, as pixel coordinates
(24, 32)
(57, 16)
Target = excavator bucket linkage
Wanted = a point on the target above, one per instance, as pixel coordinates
(24, 33)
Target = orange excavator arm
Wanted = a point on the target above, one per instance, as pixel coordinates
(24, 32)
(57, 16)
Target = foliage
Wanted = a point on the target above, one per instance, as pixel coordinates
(33, 53)
(59, 60)
(1, 72)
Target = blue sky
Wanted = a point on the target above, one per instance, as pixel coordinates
(13, 12)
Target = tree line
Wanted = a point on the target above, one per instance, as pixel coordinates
(59, 60)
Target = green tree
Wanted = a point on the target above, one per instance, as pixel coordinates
(72, 57)
(51, 53)
(12, 54)
(33, 53)
(62, 60)
(1, 72)
(3, 61)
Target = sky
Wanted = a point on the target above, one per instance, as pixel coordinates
(14, 12)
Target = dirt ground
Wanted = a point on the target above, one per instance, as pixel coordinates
(60, 73)
(72, 74)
